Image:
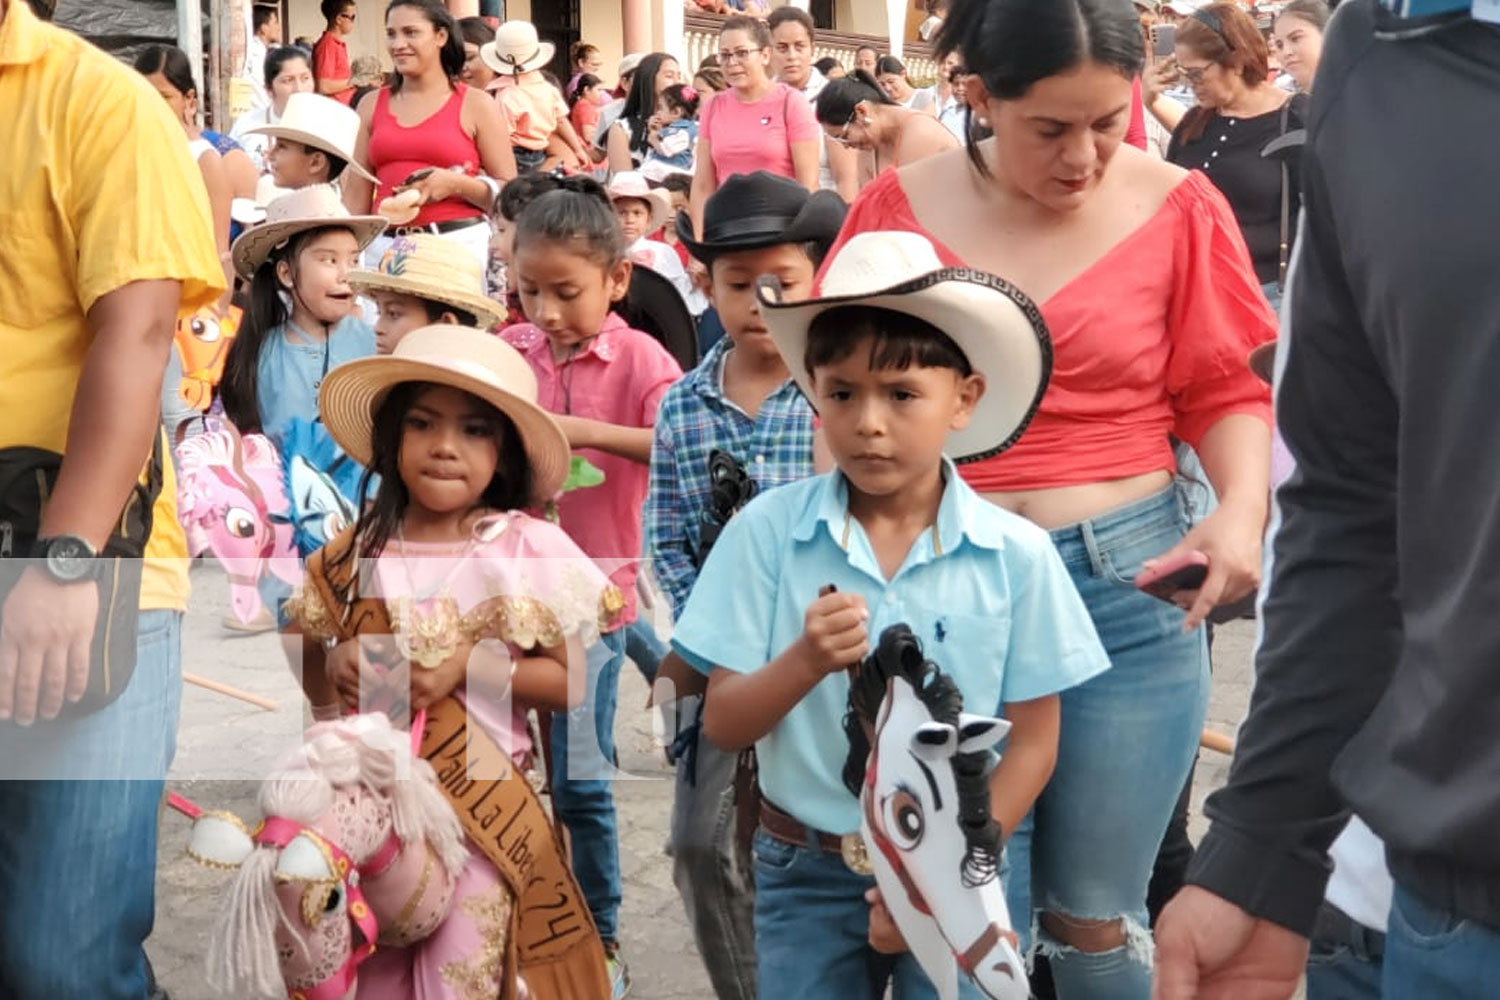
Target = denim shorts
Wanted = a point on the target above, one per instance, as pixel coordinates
(1129, 736)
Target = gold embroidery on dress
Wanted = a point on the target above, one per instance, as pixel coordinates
(427, 631)
(478, 977)
(305, 607)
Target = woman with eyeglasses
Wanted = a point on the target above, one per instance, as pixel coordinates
(757, 124)
(856, 112)
(628, 139)
(1139, 270)
(1223, 55)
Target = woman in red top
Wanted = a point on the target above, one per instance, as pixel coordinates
(427, 119)
(1153, 307)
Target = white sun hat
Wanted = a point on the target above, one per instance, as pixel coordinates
(516, 49)
(322, 123)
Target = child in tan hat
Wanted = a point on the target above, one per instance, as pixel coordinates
(420, 280)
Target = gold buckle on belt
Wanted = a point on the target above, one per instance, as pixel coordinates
(855, 854)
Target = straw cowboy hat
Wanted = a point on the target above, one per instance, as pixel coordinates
(430, 267)
(320, 123)
(632, 184)
(315, 207)
(252, 211)
(998, 328)
(463, 358)
(516, 49)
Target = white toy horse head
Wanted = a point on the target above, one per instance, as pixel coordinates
(923, 785)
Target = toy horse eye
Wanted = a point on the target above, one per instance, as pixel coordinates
(240, 522)
(332, 525)
(335, 899)
(904, 819)
(206, 331)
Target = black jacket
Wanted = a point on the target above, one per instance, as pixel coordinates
(1378, 675)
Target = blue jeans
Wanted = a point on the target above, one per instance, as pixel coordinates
(583, 759)
(1435, 955)
(1346, 967)
(78, 849)
(711, 876)
(812, 927)
(1128, 740)
(645, 648)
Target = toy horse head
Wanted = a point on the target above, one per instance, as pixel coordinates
(358, 846)
(203, 341)
(321, 483)
(920, 767)
(230, 500)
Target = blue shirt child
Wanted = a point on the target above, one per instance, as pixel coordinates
(984, 590)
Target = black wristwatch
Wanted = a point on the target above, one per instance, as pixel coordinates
(66, 558)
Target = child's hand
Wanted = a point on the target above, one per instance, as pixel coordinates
(428, 687)
(834, 633)
(885, 937)
(360, 664)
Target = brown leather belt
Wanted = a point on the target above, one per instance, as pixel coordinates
(779, 826)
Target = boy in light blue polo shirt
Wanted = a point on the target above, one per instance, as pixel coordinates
(897, 367)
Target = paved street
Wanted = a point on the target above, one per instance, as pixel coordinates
(223, 745)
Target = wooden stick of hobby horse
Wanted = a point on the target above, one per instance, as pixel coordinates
(233, 692)
(1217, 741)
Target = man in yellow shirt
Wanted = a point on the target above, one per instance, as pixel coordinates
(104, 238)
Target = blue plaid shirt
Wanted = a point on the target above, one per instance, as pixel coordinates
(695, 417)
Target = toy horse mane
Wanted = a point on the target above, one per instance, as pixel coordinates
(899, 656)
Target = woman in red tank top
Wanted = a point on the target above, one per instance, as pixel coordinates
(427, 119)
(1153, 308)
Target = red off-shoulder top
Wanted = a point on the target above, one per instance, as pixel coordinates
(1151, 340)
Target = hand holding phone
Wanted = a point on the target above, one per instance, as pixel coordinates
(1163, 40)
(1166, 579)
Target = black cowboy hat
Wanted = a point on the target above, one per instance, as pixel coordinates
(752, 211)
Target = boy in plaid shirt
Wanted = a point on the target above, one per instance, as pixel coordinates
(734, 425)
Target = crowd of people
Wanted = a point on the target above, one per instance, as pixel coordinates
(803, 351)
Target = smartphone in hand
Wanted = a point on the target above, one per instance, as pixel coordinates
(1163, 40)
(1165, 580)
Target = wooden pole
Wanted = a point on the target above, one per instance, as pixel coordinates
(1218, 742)
(233, 692)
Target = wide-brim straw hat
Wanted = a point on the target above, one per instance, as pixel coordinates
(460, 357)
(516, 49)
(998, 328)
(321, 123)
(633, 184)
(315, 207)
(434, 268)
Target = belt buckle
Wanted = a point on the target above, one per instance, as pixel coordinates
(855, 854)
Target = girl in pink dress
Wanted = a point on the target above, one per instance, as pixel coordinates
(476, 599)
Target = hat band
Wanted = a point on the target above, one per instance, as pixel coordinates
(748, 226)
(515, 63)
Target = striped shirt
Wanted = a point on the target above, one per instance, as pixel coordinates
(695, 418)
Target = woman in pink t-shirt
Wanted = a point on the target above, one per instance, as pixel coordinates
(757, 124)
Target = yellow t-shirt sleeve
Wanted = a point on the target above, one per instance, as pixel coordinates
(136, 199)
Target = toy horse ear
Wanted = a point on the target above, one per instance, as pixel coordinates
(934, 741)
(219, 840)
(979, 732)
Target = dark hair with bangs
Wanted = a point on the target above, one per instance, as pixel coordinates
(451, 55)
(897, 341)
(509, 489)
(1012, 44)
(579, 213)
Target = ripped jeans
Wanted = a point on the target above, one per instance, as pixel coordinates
(1129, 737)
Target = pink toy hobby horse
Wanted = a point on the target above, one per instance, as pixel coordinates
(359, 846)
(925, 815)
(231, 503)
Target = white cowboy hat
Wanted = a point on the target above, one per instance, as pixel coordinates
(632, 184)
(463, 358)
(315, 207)
(998, 328)
(516, 49)
(252, 211)
(434, 268)
(322, 123)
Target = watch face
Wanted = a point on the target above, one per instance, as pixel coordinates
(69, 558)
